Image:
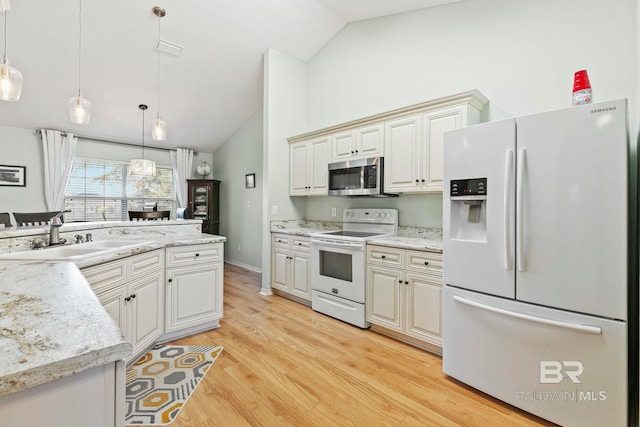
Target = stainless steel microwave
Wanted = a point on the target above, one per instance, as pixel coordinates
(358, 178)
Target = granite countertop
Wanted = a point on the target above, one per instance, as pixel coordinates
(40, 304)
(413, 238)
(303, 227)
(432, 244)
(151, 243)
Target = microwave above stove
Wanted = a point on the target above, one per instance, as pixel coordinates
(358, 178)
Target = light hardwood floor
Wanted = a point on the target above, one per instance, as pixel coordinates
(285, 365)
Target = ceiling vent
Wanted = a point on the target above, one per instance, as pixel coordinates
(168, 47)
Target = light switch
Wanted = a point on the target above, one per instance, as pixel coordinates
(274, 210)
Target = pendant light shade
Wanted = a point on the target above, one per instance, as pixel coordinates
(10, 82)
(10, 77)
(79, 107)
(142, 167)
(158, 125)
(159, 129)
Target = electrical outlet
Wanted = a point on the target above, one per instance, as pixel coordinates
(274, 210)
(333, 212)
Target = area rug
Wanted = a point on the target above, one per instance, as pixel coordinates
(161, 381)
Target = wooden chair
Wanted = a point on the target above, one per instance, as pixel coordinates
(34, 218)
(148, 215)
(5, 219)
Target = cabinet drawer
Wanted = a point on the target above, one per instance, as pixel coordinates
(300, 243)
(280, 240)
(385, 256)
(105, 275)
(147, 262)
(425, 262)
(194, 254)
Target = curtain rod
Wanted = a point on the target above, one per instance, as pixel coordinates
(195, 152)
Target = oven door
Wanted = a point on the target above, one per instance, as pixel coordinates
(338, 268)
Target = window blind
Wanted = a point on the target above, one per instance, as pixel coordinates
(102, 190)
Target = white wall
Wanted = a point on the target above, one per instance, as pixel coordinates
(285, 100)
(241, 208)
(23, 147)
(521, 54)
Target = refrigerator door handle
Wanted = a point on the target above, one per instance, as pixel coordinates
(522, 158)
(589, 329)
(508, 174)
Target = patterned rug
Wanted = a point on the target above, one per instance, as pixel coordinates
(161, 381)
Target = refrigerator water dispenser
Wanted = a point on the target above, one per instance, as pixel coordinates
(468, 209)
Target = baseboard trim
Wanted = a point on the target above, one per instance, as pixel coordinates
(245, 266)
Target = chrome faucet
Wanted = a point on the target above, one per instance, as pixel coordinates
(54, 229)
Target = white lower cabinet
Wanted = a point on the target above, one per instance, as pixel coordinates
(131, 290)
(94, 397)
(404, 293)
(195, 280)
(290, 267)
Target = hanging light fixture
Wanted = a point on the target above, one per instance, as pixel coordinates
(141, 166)
(79, 106)
(158, 125)
(10, 78)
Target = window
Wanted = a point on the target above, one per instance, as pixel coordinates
(102, 190)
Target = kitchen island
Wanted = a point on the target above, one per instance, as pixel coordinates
(61, 350)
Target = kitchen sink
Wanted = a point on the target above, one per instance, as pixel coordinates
(73, 252)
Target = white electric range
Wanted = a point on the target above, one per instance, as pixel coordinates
(338, 263)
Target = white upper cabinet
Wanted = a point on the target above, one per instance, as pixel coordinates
(410, 139)
(414, 148)
(308, 170)
(363, 142)
(402, 163)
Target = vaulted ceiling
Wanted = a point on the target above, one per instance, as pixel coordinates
(206, 93)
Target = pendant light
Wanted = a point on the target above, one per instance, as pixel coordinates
(79, 106)
(10, 78)
(142, 167)
(158, 125)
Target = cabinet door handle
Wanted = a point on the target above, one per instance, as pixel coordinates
(383, 256)
(299, 243)
(400, 281)
(170, 280)
(352, 152)
(406, 283)
(426, 263)
(133, 296)
(423, 180)
(417, 180)
(356, 151)
(127, 299)
(197, 254)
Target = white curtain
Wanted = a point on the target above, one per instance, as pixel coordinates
(59, 150)
(182, 162)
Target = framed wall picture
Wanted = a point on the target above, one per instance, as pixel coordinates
(250, 180)
(13, 176)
